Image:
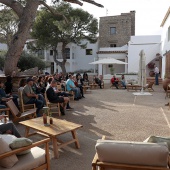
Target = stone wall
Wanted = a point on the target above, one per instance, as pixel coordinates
(125, 27)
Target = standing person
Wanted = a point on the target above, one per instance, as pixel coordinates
(156, 71)
(29, 97)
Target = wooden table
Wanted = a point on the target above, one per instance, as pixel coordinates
(58, 127)
(133, 87)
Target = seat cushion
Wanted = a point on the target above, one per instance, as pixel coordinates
(8, 138)
(134, 153)
(10, 161)
(29, 161)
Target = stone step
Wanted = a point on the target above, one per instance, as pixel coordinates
(150, 79)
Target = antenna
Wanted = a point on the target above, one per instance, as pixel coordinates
(106, 12)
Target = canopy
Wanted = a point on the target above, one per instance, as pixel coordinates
(108, 61)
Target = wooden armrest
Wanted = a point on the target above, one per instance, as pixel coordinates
(44, 141)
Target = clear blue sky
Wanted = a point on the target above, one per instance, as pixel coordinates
(149, 13)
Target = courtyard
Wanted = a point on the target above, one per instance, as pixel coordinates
(117, 114)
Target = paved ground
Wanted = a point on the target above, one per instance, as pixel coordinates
(118, 115)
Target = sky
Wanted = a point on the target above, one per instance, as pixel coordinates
(149, 13)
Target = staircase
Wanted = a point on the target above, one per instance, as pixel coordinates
(151, 79)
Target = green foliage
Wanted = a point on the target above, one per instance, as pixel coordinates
(28, 61)
(50, 29)
(8, 25)
(2, 59)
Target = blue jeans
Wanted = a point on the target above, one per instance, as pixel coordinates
(39, 105)
(156, 79)
(76, 91)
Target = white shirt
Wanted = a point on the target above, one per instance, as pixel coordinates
(156, 70)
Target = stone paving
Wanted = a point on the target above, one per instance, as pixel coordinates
(118, 115)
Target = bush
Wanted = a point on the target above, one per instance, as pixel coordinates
(28, 61)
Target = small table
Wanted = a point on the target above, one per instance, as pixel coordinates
(133, 87)
(58, 127)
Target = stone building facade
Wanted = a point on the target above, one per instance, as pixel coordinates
(115, 31)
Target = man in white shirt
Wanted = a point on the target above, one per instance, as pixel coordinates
(156, 75)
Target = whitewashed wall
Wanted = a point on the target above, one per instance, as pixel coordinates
(165, 43)
(151, 46)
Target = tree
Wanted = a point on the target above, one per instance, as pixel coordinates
(8, 25)
(50, 30)
(26, 11)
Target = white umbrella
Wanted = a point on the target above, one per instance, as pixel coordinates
(142, 69)
(108, 61)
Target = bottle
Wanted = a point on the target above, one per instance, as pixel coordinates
(44, 118)
(51, 120)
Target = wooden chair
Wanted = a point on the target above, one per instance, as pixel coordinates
(17, 115)
(29, 160)
(24, 107)
(52, 106)
(149, 86)
(6, 110)
(167, 91)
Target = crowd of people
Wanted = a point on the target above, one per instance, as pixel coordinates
(33, 91)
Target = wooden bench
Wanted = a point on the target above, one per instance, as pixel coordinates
(133, 87)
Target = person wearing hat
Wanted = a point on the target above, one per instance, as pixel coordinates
(29, 97)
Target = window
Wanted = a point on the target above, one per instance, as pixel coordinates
(51, 52)
(112, 45)
(67, 53)
(112, 30)
(169, 33)
(89, 52)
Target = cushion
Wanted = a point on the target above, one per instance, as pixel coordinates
(9, 161)
(8, 138)
(19, 143)
(134, 153)
(30, 161)
(158, 139)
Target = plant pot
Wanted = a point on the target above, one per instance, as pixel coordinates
(165, 82)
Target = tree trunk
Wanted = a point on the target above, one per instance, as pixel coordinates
(19, 39)
(62, 63)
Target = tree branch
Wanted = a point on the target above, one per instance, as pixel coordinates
(94, 3)
(88, 1)
(16, 6)
(52, 11)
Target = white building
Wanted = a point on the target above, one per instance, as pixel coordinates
(151, 45)
(165, 40)
(78, 59)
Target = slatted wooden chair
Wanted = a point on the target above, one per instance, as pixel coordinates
(52, 106)
(167, 91)
(17, 115)
(24, 107)
(149, 86)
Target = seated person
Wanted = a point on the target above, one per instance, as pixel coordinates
(78, 81)
(123, 81)
(53, 97)
(29, 97)
(115, 81)
(4, 96)
(70, 86)
(98, 81)
(8, 128)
